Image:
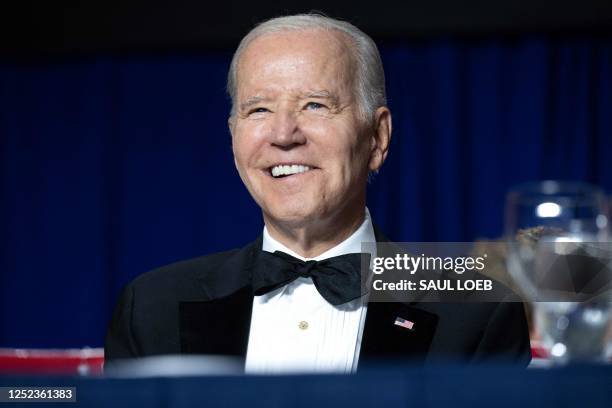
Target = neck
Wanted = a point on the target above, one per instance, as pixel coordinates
(314, 238)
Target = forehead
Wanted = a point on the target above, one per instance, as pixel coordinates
(296, 57)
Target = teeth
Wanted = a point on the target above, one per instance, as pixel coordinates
(287, 170)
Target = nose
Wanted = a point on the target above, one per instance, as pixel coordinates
(286, 132)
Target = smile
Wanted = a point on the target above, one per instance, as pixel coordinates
(284, 170)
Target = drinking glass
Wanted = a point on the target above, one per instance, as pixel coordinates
(559, 254)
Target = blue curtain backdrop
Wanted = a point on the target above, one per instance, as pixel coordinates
(113, 165)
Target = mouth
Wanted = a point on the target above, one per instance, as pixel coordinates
(287, 170)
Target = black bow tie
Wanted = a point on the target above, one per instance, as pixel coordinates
(338, 279)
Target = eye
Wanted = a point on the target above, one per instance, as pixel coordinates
(314, 106)
(258, 110)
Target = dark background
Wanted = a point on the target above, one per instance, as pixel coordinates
(63, 27)
(115, 156)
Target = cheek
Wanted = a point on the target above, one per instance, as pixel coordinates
(346, 150)
(247, 142)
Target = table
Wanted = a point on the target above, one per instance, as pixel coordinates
(384, 385)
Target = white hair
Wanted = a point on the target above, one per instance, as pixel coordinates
(369, 74)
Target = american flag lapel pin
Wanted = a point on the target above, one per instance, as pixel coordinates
(406, 324)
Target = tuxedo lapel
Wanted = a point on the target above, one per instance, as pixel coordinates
(383, 338)
(220, 324)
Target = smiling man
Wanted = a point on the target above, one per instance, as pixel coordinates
(309, 122)
(303, 140)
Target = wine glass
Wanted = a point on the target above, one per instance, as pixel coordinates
(559, 254)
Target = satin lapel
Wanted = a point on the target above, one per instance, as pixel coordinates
(218, 326)
(220, 323)
(384, 336)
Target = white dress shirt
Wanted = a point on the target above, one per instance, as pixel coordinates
(293, 329)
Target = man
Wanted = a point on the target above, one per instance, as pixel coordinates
(309, 123)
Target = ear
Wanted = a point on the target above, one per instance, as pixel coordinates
(380, 139)
(230, 126)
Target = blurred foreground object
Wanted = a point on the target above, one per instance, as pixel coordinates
(174, 366)
(86, 361)
(559, 254)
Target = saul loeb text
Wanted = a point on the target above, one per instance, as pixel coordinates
(435, 284)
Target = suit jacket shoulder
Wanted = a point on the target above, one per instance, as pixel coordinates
(147, 318)
(185, 279)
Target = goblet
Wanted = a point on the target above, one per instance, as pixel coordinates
(559, 254)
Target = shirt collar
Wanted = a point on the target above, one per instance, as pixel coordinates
(365, 233)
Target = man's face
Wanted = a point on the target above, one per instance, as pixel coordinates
(299, 142)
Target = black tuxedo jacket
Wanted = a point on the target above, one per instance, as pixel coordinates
(203, 306)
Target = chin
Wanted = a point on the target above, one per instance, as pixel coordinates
(295, 215)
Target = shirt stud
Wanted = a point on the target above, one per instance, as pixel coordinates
(303, 325)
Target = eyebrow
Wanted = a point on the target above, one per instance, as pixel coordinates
(322, 95)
